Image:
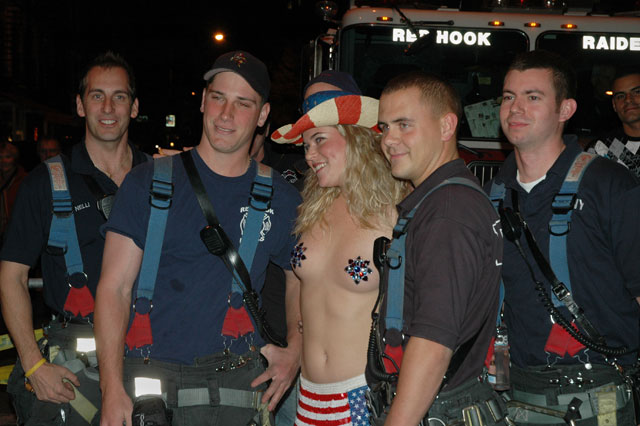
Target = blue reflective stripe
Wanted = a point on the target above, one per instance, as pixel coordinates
(396, 257)
(62, 232)
(160, 200)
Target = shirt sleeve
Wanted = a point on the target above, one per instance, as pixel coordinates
(292, 199)
(130, 213)
(28, 229)
(625, 236)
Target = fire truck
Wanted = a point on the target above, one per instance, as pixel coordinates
(375, 41)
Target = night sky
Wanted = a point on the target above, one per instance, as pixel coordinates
(170, 46)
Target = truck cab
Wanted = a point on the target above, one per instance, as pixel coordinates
(374, 41)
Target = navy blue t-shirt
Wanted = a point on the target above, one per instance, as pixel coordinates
(602, 249)
(190, 298)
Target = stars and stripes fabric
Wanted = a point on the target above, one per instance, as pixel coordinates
(330, 108)
(332, 404)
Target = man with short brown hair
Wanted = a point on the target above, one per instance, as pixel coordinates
(452, 262)
(199, 344)
(570, 272)
(96, 167)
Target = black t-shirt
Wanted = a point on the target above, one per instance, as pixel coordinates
(452, 271)
(602, 253)
(28, 232)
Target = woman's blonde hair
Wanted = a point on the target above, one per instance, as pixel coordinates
(370, 189)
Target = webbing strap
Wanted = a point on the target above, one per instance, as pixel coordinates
(227, 396)
(396, 257)
(62, 233)
(259, 203)
(560, 224)
(81, 404)
(160, 199)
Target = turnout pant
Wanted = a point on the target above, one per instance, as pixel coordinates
(473, 403)
(60, 346)
(542, 396)
(215, 390)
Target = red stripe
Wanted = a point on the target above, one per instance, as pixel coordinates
(305, 123)
(324, 410)
(323, 422)
(349, 108)
(321, 397)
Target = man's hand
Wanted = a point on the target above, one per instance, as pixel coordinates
(116, 409)
(48, 386)
(283, 367)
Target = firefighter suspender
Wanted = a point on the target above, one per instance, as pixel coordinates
(565, 337)
(139, 333)
(160, 200)
(63, 239)
(560, 223)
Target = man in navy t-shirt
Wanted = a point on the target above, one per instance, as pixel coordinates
(203, 359)
(556, 377)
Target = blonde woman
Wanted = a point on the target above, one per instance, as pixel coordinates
(349, 200)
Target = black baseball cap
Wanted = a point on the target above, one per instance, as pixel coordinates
(252, 69)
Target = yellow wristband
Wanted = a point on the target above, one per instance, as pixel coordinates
(34, 368)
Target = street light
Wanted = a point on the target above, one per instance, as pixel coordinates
(218, 37)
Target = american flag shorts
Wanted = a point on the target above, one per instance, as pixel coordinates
(332, 404)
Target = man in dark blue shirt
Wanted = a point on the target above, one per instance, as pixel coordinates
(96, 168)
(204, 355)
(549, 366)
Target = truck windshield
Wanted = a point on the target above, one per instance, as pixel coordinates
(472, 60)
(596, 57)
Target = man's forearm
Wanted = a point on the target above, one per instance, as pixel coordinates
(120, 266)
(17, 311)
(423, 366)
(111, 319)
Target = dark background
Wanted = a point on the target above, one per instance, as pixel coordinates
(45, 44)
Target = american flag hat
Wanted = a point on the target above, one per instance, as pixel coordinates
(329, 109)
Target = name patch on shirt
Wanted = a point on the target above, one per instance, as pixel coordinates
(82, 206)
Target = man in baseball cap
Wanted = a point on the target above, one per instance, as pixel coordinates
(200, 331)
